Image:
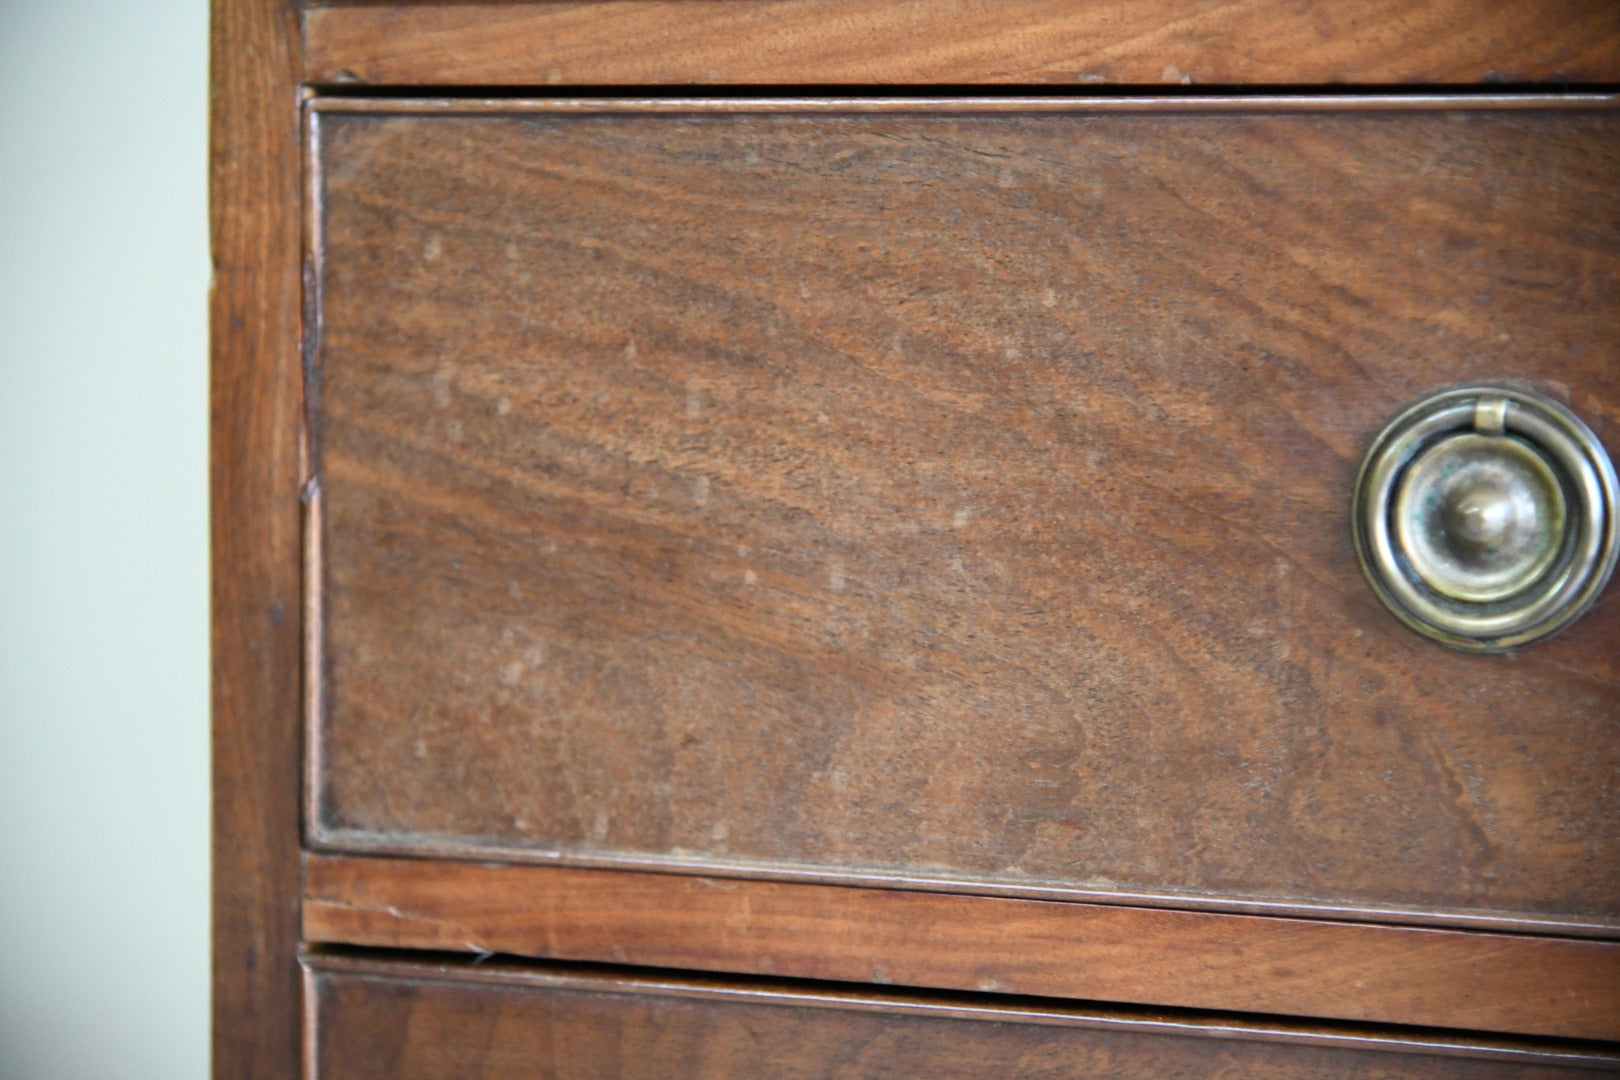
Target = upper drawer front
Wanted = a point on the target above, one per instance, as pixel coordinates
(962, 496)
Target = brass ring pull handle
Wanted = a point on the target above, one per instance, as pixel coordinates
(1485, 517)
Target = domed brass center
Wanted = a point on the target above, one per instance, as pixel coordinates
(1480, 517)
(1489, 516)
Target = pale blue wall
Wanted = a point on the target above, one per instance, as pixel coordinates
(103, 539)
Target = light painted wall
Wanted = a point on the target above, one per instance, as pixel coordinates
(103, 539)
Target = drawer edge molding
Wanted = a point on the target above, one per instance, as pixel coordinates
(1426, 977)
(344, 842)
(767, 103)
(921, 42)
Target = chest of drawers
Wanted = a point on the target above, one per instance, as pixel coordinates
(884, 547)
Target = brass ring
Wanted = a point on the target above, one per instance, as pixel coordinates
(1566, 560)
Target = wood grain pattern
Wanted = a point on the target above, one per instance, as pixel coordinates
(949, 496)
(1291, 967)
(427, 1020)
(257, 575)
(893, 42)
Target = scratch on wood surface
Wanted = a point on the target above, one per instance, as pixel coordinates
(470, 942)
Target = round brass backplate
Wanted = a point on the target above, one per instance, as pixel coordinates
(1485, 517)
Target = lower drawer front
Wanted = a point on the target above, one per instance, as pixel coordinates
(425, 1020)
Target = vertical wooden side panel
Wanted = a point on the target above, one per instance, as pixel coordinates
(255, 403)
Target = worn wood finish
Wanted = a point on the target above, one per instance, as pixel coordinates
(948, 496)
(1296, 967)
(843, 42)
(256, 405)
(427, 1020)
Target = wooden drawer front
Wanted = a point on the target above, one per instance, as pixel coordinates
(424, 1022)
(957, 496)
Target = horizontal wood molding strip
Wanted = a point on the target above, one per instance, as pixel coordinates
(898, 42)
(1297, 967)
(956, 104)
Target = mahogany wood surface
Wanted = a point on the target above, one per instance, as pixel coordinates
(955, 496)
(1296, 967)
(257, 570)
(427, 1020)
(892, 42)
(854, 497)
